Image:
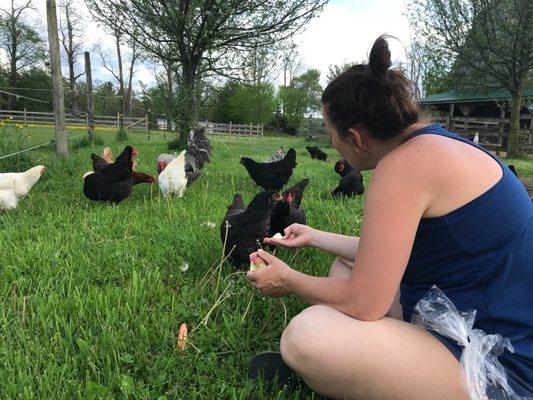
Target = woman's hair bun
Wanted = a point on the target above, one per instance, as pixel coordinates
(379, 61)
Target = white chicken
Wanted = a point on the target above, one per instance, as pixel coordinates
(16, 185)
(172, 180)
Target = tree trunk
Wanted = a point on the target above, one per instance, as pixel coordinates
(73, 104)
(186, 111)
(12, 70)
(513, 147)
(121, 80)
(170, 98)
(129, 90)
(90, 99)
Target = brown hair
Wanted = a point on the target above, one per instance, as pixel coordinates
(371, 95)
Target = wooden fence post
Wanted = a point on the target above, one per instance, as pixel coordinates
(500, 130)
(90, 99)
(148, 125)
(61, 140)
(262, 130)
(230, 127)
(250, 129)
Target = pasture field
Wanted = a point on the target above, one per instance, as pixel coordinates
(93, 294)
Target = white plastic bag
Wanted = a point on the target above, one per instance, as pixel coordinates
(479, 359)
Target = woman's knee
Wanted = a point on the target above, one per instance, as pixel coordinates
(301, 340)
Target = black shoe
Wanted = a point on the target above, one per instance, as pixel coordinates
(270, 367)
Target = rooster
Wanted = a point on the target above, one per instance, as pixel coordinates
(273, 175)
(316, 153)
(351, 182)
(197, 154)
(172, 180)
(288, 211)
(247, 226)
(279, 154)
(16, 185)
(114, 182)
(100, 163)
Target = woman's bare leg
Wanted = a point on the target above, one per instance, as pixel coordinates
(344, 358)
(342, 267)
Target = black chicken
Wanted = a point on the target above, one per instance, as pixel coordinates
(273, 175)
(351, 183)
(114, 182)
(247, 226)
(288, 211)
(100, 164)
(316, 153)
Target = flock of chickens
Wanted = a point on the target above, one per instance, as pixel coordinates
(113, 181)
(244, 228)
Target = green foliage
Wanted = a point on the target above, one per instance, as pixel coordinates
(121, 135)
(175, 144)
(86, 142)
(302, 96)
(436, 79)
(13, 138)
(244, 104)
(334, 70)
(295, 104)
(15, 33)
(309, 83)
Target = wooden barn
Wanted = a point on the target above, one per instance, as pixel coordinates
(485, 112)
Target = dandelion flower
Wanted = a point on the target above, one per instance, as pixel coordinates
(184, 267)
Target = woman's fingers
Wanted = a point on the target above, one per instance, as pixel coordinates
(272, 240)
(290, 230)
(265, 256)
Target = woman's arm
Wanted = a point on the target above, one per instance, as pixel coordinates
(395, 202)
(336, 244)
(298, 235)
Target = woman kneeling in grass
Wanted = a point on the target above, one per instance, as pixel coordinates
(440, 210)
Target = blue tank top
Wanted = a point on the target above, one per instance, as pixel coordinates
(481, 256)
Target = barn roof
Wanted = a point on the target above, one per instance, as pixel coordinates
(471, 96)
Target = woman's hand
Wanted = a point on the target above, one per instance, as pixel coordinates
(271, 279)
(296, 235)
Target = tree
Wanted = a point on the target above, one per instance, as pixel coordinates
(124, 81)
(290, 61)
(295, 104)
(489, 41)
(21, 42)
(245, 104)
(334, 70)
(302, 96)
(309, 83)
(258, 64)
(206, 35)
(70, 33)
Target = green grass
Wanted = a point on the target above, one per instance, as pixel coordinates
(92, 294)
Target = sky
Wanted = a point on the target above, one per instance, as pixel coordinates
(343, 32)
